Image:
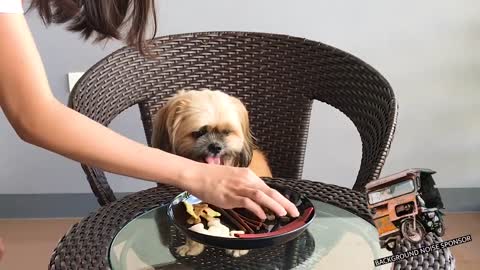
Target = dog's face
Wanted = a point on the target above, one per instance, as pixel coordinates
(206, 126)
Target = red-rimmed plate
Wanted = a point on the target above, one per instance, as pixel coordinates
(281, 232)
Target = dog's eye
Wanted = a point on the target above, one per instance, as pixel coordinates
(226, 132)
(199, 133)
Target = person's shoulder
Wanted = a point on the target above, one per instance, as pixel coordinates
(11, 6)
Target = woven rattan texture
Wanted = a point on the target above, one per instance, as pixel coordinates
(86, 245)
(276, 76)
(440, 259)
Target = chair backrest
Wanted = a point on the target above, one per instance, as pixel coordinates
(276, 76)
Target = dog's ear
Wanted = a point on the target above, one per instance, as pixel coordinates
(245, 156)
(160, 138)
(248, 140)
(165, 122)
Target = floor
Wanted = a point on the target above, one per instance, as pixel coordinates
(22, 237)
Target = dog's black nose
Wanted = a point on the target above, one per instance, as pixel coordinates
(214, 148)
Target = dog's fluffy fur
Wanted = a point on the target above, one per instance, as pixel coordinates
(212, 127)
(193, 123)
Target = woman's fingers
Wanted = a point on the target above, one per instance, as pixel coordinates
(259, 197)
(274, 200)
(252, 207)
(286, 203)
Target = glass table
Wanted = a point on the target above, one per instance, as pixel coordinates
(336, 239)
(135, 233)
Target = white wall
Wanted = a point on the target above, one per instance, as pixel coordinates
(427, 50)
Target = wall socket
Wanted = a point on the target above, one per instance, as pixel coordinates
(73, 77)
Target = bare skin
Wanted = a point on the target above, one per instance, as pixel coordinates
(41, 120)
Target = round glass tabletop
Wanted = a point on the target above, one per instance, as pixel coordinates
(336, 239)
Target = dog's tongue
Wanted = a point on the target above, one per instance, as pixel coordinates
(213, 160)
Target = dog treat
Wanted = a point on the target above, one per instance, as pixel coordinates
(203, 216)
(190, 210)
(276, 225)
(192, 221)
(253, 226)
(241, 225)
(290, 226)
(215, 228)
(270, 215)
(199, 211)
(240, 220)
(284, 219)
(251, 220)
(253, 223)
(234, 221)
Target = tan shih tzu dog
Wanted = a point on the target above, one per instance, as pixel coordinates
(208, 126)
(212, 127)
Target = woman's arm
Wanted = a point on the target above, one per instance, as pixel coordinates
(39, 119)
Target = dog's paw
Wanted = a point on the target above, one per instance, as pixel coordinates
(191, 248)
(237, 252)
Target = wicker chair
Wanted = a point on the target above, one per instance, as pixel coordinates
(276, 76)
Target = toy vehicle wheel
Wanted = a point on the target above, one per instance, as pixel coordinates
(390, 245)
(410, 234)
(440, 231)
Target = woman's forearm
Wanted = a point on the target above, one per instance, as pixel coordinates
(38, 118)
(64, 131)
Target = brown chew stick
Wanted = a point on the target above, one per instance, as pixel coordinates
(257, 225)
(256, 222)
(253, 226)
(240, 220)
(230, 218)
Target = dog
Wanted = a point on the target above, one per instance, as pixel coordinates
(208, 126)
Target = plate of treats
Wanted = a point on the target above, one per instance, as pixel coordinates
(239, 228)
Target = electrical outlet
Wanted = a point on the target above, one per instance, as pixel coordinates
(73, 77)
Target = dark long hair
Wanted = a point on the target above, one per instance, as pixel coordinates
(103, 19)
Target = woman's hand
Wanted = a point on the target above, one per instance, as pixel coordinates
(232, 187)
